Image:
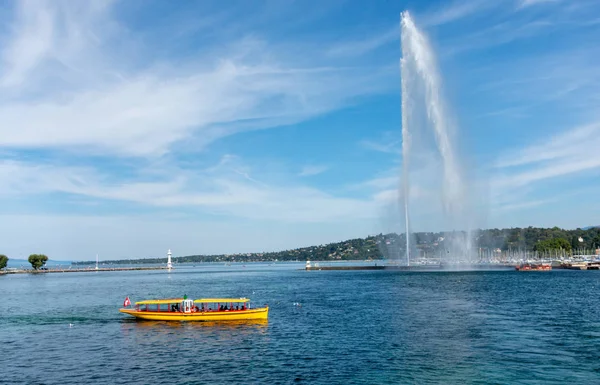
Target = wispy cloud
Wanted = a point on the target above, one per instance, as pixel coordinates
(313, 170)
(106, 107)
(528, 3)
(563, 154)
(455, 11)
(387, 147)
(561, 146)
(32, 40)
(523, 205)
(364, 46)
(388, 142)
(222, 190)
(49, 38)
(499, 34)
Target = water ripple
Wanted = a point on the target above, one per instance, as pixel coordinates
(351, 328)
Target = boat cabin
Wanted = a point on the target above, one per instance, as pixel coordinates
(184, 305)
(222, 304)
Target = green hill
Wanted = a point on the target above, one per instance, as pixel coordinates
(388, 246)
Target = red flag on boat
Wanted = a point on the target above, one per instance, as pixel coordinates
(127, 302)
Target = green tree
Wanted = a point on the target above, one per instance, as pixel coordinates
(3, 261)
(37, 260)
(552, 244)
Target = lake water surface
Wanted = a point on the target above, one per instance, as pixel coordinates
(377, 327)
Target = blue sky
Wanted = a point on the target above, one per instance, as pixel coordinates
(127, 128)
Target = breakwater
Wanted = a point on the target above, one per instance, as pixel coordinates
(478, 267)
(456, 267)
(29, 271)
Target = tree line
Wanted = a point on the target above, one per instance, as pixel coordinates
(392, 245)
(36, 260)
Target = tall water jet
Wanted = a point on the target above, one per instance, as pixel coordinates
(406, 156)
(421, 87)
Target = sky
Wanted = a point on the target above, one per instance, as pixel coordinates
(131, 127)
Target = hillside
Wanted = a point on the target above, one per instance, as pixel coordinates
(384, 246)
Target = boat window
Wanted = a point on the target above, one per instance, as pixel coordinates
(153, 307)
(164, 307)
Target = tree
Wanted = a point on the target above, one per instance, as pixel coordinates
(3, 261)
(552, 244)
(37, 260)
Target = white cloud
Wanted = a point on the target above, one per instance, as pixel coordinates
(101, 104)
(563, 146)
(218, 190)
(505, 32)
(383, 182)
(528, 3)
(523, 205)
(313, 170)
(565, 154)
(51, 37)
(455, 11)
(147, 114)
(364, 46)
(387, 147)
(31, 43)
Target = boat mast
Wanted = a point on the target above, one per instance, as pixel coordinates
(96, 261)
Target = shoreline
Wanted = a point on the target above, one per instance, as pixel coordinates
(414, 268)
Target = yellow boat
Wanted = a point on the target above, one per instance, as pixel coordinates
(203, 309)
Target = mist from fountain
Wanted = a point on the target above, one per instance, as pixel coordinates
(424, 113)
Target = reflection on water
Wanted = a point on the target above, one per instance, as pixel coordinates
(167, 327)
(152, 333)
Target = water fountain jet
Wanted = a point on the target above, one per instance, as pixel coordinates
(420, 77)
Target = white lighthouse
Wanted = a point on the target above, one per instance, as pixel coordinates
(169, 264)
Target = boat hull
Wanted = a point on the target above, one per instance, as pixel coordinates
(533, 268)
(251, 314)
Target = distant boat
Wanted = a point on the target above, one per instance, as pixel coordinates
(533, 267)
(203, 309)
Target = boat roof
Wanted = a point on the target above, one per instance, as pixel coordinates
(201, 300)
(159, 301)
(221, 300)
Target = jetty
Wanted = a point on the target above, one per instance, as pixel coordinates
(86, 270)
(417, 267)
(345, 267)
(69, 269)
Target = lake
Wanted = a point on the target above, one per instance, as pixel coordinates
(346, 327)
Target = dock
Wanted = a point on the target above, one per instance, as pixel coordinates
(580, 266)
